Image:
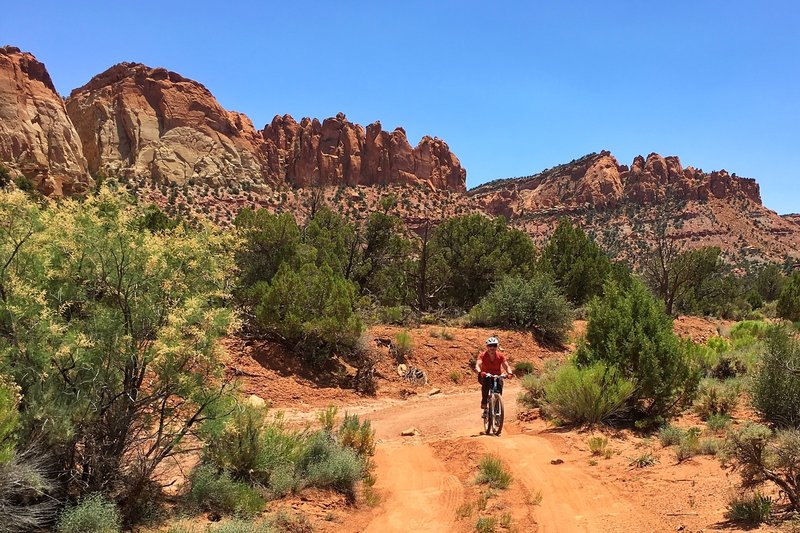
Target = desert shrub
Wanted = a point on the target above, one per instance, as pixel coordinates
(763, 456)
(670, 435)
(25, 503)
(310, 309)
(9, 417)
(131, 321)
(404, 343)
(689, 445)
(492, 472)
(643, 460)
(327, 418)
(486, 524)
(467, 255)
(94, 514)
(216, 491)
(251, 447)
(718, 422)
(776, 383)
(703, 356)
(325, 464)
(747, 329)
(598, 445)
(749, 508)
(708, 446)
(5, 176)
(240, 526)
(586, 395)
(579, 266)
(534, 304)
(357, 435)
(533, 386)
(455, 376)
(524, 368)
(789, 300)
(398, 314)
(718, 344)
(716, 398)
(629, 331)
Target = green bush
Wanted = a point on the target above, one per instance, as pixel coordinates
(398, 314)
(709, 446)
(579, 265)
(492, 472)
(534, 304)
(718, 422)
(629, 331)
(716, 398)
(467, 255)
(533, 386)
(748, 329)
(9, 418)
(776, 383)
(670, 435)
(309, 308)
(357, 435)
(524, 368)
(789, 300)
(94, 514)
(718, 344)
(689, 445)
(215, 491)
(486, 524)
(404, 343)
(325, 464)
(598, 445)
(253, 448)
(749, 508)
(586, 395)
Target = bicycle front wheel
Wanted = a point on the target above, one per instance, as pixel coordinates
(497, 414)
(487, 419)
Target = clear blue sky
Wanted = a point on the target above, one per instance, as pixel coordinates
(513, 87)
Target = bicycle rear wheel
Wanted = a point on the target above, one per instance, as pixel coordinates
(497, 414)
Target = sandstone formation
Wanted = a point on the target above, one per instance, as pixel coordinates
(615, 203)
(337, 151)
(37, 138)
(599, 181)
(137, 120)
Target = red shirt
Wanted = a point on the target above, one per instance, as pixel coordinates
(492, 367)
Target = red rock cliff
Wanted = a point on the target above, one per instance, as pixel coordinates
(37, 138)
(337, 151)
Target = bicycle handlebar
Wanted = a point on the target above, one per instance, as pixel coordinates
(501, 376)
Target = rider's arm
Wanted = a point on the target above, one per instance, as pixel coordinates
(478, 364)
(507, 367)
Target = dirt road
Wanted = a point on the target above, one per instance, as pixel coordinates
(423, 480)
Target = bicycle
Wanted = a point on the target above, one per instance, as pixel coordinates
(494, 413)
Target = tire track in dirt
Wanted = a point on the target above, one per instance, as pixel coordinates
(418, 493)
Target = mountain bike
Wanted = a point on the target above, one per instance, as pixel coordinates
(494, 413)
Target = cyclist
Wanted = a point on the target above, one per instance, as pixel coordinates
(493, 362)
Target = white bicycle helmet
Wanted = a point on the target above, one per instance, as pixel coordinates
(492, 341)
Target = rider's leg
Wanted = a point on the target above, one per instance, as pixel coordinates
(485, 385)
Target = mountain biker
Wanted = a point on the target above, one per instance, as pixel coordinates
(490, 361)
